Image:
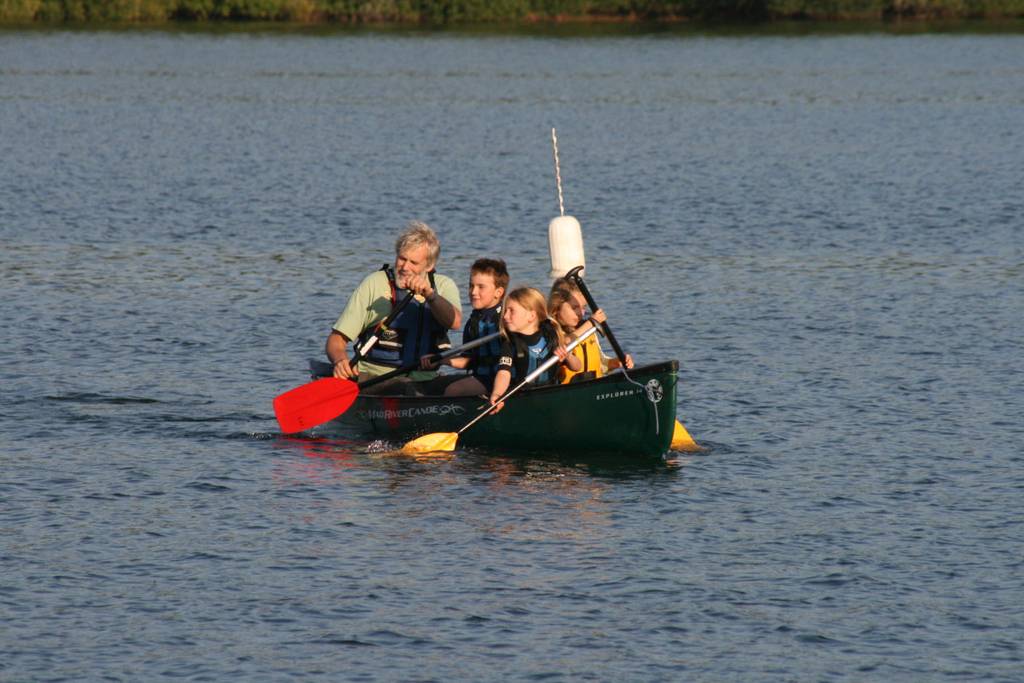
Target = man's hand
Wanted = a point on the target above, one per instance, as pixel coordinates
(443, 310)
(344, 370)
(419, 284)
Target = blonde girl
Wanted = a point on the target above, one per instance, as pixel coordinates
(529, 337)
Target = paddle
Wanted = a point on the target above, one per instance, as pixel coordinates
(317, 402)
(374, 338)
(324, 399)
(314, 403)
(681, 439)
(445, 441)
(437, 357)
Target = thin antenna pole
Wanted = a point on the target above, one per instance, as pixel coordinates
(558, 172)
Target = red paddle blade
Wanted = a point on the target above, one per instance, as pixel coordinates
(313, 404)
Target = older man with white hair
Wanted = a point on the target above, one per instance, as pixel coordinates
(419, 328)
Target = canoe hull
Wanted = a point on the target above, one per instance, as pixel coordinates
(607, 415)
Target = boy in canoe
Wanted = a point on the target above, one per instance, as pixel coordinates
(488, 281)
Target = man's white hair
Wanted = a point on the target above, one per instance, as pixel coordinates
(418, 233)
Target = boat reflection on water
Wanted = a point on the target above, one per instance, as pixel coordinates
(371, 485)
(345, 453)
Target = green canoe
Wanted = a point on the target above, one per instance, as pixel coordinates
(631, 416)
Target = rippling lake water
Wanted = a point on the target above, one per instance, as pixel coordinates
(825, 230)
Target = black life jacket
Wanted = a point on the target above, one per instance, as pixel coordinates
(528, 357)
(484, 359)
(412, 334)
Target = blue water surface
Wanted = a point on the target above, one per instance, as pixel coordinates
(825, 230)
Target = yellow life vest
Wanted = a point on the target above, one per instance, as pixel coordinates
(589, 352)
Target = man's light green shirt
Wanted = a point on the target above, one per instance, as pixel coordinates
(371, 303)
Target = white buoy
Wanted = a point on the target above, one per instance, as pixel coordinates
(565, 244)
(565, 236)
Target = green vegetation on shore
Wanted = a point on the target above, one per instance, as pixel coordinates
(450, 12)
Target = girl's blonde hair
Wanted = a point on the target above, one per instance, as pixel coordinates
(566, 283)
(555, 301)
(532, 300)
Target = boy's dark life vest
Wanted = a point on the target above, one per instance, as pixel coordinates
(483, 361)
(412, 334)
(528, 356)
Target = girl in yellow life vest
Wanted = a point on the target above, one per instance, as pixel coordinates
(565, 308)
